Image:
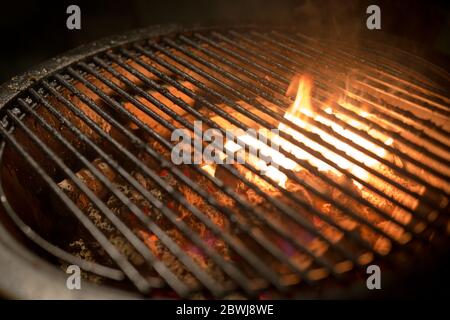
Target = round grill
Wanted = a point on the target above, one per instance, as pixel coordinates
(362, 175)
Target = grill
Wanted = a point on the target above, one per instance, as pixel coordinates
(87, 174)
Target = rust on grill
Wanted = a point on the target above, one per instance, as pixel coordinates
(361, 147)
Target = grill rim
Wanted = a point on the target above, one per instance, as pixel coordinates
(48, 283)
(17, 84)
(11, 89)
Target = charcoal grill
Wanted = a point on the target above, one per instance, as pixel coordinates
(105, 112)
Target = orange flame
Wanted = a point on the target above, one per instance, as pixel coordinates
(303, 97)
(303, 115)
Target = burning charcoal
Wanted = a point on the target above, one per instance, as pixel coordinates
(155, 215)
(149, 120)
(92, 249)
(225, 176)
(80, 249)
(164, 255)
(86, 177)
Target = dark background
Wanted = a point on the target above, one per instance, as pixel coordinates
(34, 31)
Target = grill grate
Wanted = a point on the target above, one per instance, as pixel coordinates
(118, 104)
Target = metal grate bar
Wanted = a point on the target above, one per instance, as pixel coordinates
(269, 84)
(275, 75)
(358, 94)
(189, 182)
(107, 272)
(158, 266)
(252, 259)
(303, 163)
(324, 196)
(324, 114)
(420, 101)
(365, 97)
(285, 136)
(239, 124)
(186, 107)
(349, 142)
(234, 273)
(388, 71)
(241, 57)
(121, 261)
(142, 249)
(212, 202)
(406, 115)
(239, 176)
(392, 134)
(408, 209)
(439, 135)
(169, 166)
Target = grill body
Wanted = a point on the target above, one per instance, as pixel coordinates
(225, 77)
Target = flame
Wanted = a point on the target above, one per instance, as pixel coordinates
(265, 151)
(303, 97)
(303, 115)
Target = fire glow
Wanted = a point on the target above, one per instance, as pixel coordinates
(302, 115)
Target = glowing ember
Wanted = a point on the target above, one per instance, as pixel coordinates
(302, 114)
(265, 152)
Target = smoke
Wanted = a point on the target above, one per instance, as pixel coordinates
(331, 19)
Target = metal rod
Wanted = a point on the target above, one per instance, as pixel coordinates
(172, 246)
(212, 107)
(184, 106)
(289, 138)
(325, 128)
(93, 267)
(176, 196)
(288, 173)
(396, 75)
(112, 251)
(397, 152)
(412, 96)
(148, 255)
(364, 96)
(144, 109)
